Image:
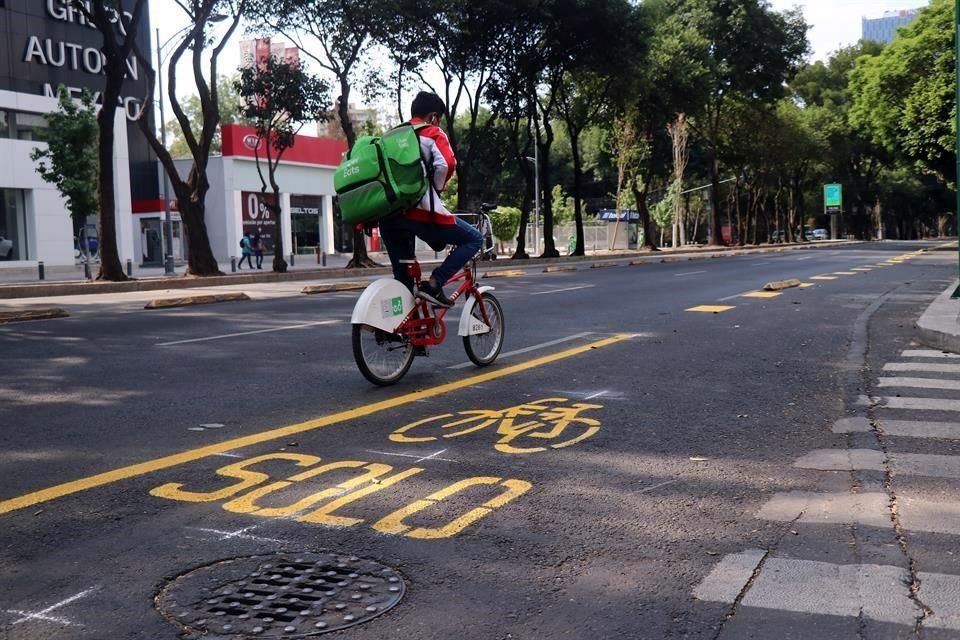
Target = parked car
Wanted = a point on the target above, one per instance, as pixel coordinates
(808, 234)
(820, 234)
(6, 248)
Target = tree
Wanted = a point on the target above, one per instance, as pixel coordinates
(505, 222)
(905, 96)
(746, 51)
(192, 191)
(69, 159)
(119, 31)
(279, 98)
(229, 106)
(339, 35)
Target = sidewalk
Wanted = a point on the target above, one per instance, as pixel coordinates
(939, 326)
(306, 269)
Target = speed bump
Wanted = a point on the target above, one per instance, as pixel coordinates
(167, 303)
(32, 314)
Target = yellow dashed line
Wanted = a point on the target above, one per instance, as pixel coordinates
(807, 285)
(844, 273)
(762, 294)
(708, 308)
(823, 278)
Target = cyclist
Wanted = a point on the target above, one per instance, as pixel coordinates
(430, 220)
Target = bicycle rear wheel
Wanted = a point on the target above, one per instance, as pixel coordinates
(484, 348)
(383, 358)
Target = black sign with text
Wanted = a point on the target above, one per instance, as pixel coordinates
(49, 42)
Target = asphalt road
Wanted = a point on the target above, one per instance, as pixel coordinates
(656, 495)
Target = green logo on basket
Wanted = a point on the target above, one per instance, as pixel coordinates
(397, 306)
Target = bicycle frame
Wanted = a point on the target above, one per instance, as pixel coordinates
(424, 325)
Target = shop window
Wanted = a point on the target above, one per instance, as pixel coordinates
(28, 126)
(4, 124)
(13, 226)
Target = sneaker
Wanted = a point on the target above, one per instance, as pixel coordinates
(434, 294)
(420, 351)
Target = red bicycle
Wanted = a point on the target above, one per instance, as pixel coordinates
(391, 325)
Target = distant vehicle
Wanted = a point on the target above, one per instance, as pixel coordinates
(777, 236)
(6, 248)
(808, 234)
(820, 234)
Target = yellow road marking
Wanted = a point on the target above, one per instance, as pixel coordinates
(823, 278)
(807, 285)
(166, 462)
(762, 294)
(862, 269)
(844, 273)
(515, 273)
(707, 308)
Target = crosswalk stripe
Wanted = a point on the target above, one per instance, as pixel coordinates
(868, 509)
(921, 404)
(920, 383)
(920, 429)
(905, 464)
(877, 592)
(930, 367)
(929, 353)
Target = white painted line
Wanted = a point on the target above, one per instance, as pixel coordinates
(543, 293)
(432, 456)
(928, 516)
(927, 465)
(725, 582)
(688, 273)
(920, 429)
(241, 534)
(42, 615)
(656, 486)
(870, 509)
(843, 460)
(877, 592)
(941, 593)
(248, 333)
(922, 366)
(543, 345)
(852, 425)
(596, 395)
(729, 298)
(928, 353)
(229, 455)
(407, 455)
(921, 404)
(920, 383)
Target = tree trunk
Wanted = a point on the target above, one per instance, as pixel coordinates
(716, 236)
(110, 267)
(577, 189)
(649, 229)
(549, 246)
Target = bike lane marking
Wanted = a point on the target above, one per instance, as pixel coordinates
(542, 345)
(247, 333)
(166, 462)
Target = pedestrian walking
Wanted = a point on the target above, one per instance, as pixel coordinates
(258, 249)
(246, 250)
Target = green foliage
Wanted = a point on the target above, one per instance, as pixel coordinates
(505, 222)
(663, 212)
(230, 113)
(69, 159)
(905, 96)
(562, 205)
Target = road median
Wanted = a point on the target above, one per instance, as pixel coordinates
(32, 314)
(188, 301)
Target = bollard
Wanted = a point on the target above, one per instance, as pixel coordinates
(318, 254)
(40, 269)
(323, 258)
(86, 270)
(233, 264)
(129, 267)
(293, 262)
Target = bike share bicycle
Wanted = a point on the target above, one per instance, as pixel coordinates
(390, 323)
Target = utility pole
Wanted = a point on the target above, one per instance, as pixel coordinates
(956, 38)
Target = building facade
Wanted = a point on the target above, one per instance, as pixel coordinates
(884, 29)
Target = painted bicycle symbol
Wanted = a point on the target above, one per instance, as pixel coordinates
(546, 423)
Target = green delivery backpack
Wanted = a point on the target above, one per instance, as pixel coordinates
(381, 176)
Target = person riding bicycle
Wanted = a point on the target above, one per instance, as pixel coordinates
(430, 220)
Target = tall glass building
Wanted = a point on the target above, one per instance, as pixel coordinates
(884, 29)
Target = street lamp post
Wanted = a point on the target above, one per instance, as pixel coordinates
(536, 195)
(167, 219)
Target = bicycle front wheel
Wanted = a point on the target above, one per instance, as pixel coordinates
(383, 358)
(484, 348)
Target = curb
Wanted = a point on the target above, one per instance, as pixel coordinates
(939, 326)
(167, 303)
(34, 314)
(187, 282)
(570, 267)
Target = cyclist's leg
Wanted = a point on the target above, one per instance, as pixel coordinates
(462, 235)
(398, 237)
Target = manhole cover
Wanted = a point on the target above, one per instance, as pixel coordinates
(280, 596)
